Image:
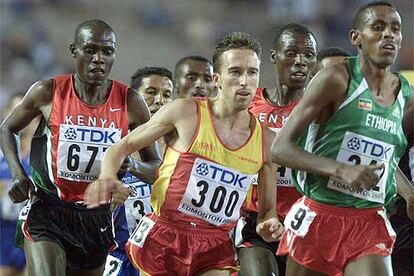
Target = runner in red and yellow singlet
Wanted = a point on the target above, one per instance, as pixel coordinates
(207, 170)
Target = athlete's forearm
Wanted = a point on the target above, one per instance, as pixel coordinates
(290, 155)
(9, 146)
(112, 161)
(267, 192)
(404, 186)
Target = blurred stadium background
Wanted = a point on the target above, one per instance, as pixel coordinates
(35, 34)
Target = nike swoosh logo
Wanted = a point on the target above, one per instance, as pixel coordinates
(104, 229)
(114, 109)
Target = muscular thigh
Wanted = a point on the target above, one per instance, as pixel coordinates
(44, 258)
(372, 265)
(295, 269)
(257, 261)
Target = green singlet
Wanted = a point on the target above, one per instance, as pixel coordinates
(361, 132)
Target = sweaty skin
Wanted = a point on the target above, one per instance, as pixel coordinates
(294, 59)
(94, 54)
(377, 41)
(231, 119)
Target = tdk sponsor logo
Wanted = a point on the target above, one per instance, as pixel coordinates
(93, 135)
(369, 147)
(202, 169)
(222, 175)
(70, 134)
(354, 144)
(97, 136)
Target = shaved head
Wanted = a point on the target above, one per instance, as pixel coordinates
(97, 25)
(291, 29)
(359, 16)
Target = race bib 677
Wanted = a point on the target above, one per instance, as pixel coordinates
(81, 149)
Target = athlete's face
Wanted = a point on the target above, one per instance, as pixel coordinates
(156, 90)
(194, 79)
(238, 77)
(294, 59)
(94, 54)
(379, 38)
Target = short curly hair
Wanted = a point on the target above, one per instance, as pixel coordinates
(236, 40)
(136, 78)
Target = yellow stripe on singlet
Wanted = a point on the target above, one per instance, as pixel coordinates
(160, 187)
(249, 196)
(246, 159)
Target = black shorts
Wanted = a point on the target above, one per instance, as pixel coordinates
(246, 237)
(86, 235)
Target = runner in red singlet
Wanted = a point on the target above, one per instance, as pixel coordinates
(82, 115)
(294, 58)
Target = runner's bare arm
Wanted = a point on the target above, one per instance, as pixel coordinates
(138, 114)
(34, 103)
(160, 124)
(267, 180)
(322, 97)
(164, 121)
(268, 225)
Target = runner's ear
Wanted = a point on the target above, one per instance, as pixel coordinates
(273, 56)
(72, 49)
(355, 38)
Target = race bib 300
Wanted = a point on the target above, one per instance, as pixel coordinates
(215, 193)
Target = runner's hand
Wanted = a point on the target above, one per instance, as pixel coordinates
(105, 191)
(361, 176)
(270, 229)
(21, 190)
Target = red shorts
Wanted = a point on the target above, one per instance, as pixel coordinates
(159, 248)
(326, 238)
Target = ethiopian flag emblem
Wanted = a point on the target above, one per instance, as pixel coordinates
(365, 104)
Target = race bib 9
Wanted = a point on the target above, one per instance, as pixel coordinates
(215, 193)
(299, 219)
(361, 150)
(81, 149)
